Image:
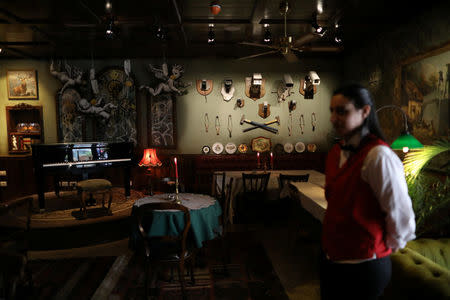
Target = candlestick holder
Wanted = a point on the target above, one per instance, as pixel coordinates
(177, 199)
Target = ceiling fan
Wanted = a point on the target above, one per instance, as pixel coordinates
(287, 46)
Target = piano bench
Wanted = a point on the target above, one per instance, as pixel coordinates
(94, 186)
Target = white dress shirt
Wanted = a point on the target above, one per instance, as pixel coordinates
(383, 171)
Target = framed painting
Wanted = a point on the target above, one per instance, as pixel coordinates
(22, 84)
(161, 122)
(424, 94)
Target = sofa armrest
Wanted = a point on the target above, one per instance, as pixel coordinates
(417, 277)
(437, 250)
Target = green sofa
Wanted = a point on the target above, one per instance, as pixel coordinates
(421, 271)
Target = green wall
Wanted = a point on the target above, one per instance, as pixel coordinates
(192, 107)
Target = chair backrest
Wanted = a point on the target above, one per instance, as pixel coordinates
(226, 203)
(284, 179)
(255, 183)
(218, 192)
(145, 215)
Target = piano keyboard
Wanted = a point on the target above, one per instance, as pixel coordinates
(89, 162)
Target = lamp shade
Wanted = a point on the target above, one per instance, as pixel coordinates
(150, 159)
(406, 142)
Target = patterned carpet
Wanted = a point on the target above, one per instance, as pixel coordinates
(247, 275)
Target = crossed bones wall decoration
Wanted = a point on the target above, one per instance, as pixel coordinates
(260, 125)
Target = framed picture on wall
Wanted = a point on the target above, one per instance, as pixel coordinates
(161, 122)
(22, 84)
(424, 94)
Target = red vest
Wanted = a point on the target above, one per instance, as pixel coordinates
(354, 224)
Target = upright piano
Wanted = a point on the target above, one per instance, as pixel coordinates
(62, 159)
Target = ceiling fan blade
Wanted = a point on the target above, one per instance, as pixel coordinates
(322, 49)
(259, 54)
(258, 45)
(291, 57)
(305, 39)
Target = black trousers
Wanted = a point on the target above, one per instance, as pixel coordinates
(361, 281)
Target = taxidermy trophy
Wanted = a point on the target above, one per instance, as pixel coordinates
(227, 90)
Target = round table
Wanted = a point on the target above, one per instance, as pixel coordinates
(204, 211)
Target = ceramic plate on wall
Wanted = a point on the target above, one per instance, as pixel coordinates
(217, 148)
(312, 147)
(243, 148)
(299, 147)
(206, 149)
(288, 147)
(230, 148)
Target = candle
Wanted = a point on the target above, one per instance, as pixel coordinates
(176, 167)
(257, 157)
(271, 159)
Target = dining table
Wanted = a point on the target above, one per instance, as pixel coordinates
(311, 197)
(273, 187)
(203, 209)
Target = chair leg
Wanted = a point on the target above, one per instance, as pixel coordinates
(83, 204)
(181, 278)
(109, 202)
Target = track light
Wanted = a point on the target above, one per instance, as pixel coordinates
(338, 37)
(267, 34)
(161, 33)
(211, 35)
(319, 29)
(110, 29)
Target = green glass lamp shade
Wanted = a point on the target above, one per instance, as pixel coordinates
(406, 140)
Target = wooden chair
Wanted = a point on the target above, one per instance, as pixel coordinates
(165, 250)
(285, 179)
(253, 199)
(218, 192)
(15, 275)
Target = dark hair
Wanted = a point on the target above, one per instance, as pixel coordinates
(361, 96)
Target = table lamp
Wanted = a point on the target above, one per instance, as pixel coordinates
(150, 160)
(405, 141)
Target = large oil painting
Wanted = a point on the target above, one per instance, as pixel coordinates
(22, 84)
(425, 94)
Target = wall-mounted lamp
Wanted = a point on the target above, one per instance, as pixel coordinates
(211, 34)
(405, 141)
(267, 34)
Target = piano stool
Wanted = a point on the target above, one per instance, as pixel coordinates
(91, 186)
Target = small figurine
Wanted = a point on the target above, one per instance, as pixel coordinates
(14, 143)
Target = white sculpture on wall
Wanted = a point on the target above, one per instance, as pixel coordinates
(171, 83)
(70, 77)
(86, 107)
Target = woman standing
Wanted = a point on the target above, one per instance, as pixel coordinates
(369, 211)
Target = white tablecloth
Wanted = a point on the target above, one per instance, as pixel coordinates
(191, 201)
(312, 198)
(273, 191)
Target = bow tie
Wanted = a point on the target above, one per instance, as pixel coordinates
(348, 148)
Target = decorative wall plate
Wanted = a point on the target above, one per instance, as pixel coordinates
(206, 149)
(288, 147)
(230, 148)
(299, 147)
(217, 148)
(278, 149)
(312, 147)
(261, 144)
(243, 148)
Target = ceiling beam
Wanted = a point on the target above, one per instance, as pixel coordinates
(180, 21)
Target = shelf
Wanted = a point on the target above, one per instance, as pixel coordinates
(25, 133)
(19, 142)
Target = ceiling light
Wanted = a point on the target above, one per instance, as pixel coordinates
(108, 6)
(338, 36)
(267, 34)
(320, 6)
(161, 33)
(211, 35)
(215, 7)
(1, 50)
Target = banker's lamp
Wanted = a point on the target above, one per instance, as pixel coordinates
(405, 141)
(150, 160)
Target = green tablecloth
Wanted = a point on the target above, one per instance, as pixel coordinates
(204, 211)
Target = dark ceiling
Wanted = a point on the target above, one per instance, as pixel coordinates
(76, 29)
